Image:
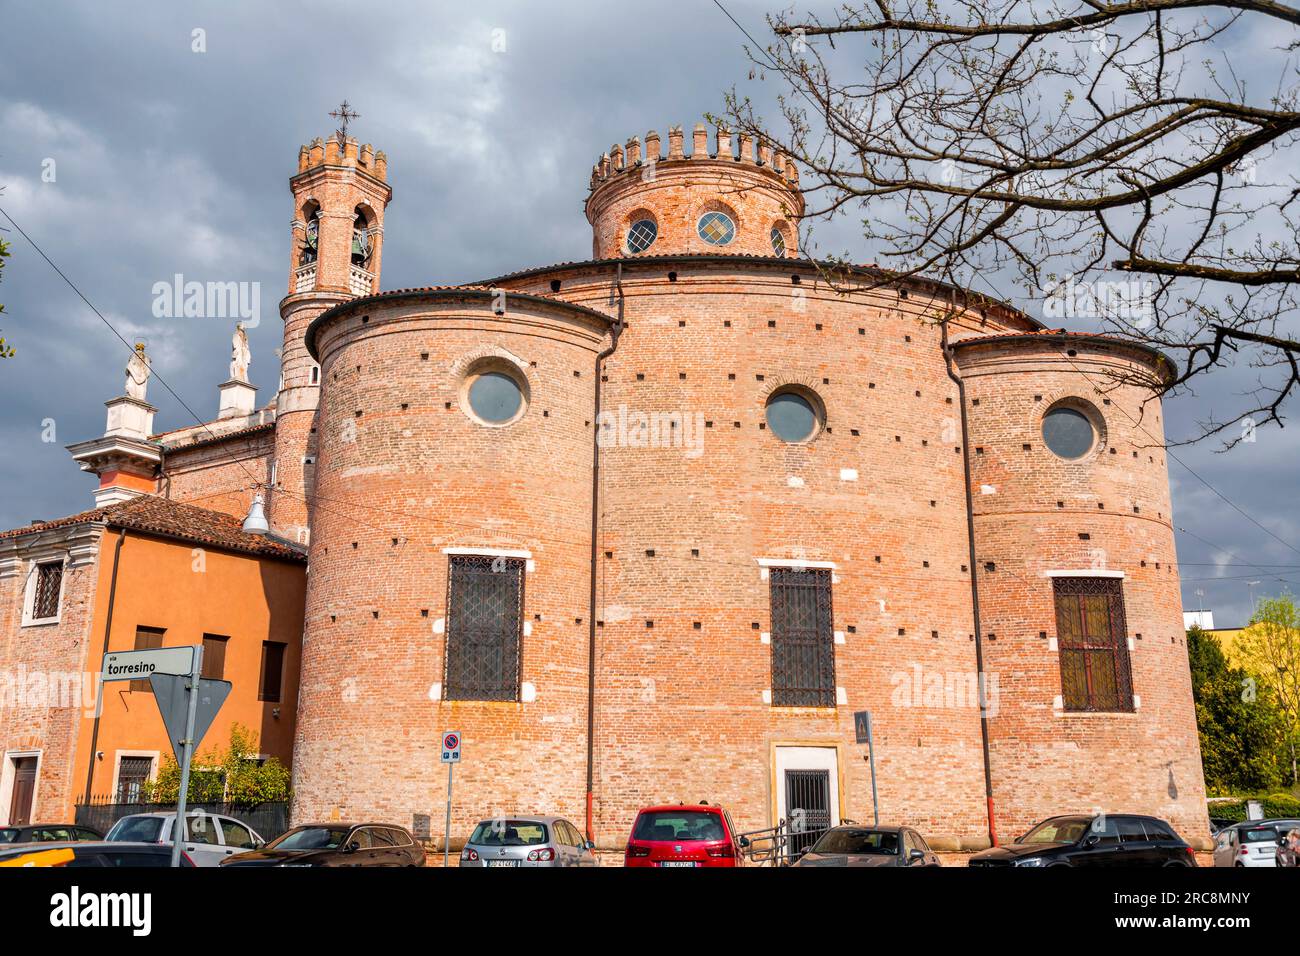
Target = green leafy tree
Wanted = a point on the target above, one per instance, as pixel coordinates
(1241, 729)
(1270, 648)
(230, 775)
(6, 350)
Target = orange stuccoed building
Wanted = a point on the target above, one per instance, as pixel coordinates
(648, 527)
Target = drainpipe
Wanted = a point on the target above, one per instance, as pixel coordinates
(615, 331)
(108, 627)
(974, 583)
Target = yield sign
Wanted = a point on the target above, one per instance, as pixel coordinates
(173, 703)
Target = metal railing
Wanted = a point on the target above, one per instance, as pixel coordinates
(782, 844)
(268, 820)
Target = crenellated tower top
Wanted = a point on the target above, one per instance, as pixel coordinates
(742, 197)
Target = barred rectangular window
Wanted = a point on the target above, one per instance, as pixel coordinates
(485, 604)
(803, 643)
(49, 584)
(1092, 638)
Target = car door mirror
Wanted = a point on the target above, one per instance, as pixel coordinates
(589, 845)
(915, 855)
(744, 841)
(352, 847)
(1092, 839)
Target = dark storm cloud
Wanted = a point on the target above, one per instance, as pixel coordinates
(171, 161)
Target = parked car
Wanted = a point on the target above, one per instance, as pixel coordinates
(337, 844)
(1120, 839)
(528, 841)
(1253, 843)
(686, 836)
(210, 837)
(86, 854)
(869, 846)
(47, 833)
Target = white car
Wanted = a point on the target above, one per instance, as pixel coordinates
(211, 837)
(1252, 843)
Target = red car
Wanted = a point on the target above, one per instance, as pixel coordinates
(685, 835)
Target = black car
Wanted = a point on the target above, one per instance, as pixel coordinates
(337, 844)
(869, 846)
(1122, 839)
(104, 854)
(47, 833)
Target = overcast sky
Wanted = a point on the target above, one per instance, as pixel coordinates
(172, 161)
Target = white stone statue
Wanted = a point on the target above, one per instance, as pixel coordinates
(137, 373)
(240, 354)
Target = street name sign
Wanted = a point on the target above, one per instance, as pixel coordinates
(138, 665)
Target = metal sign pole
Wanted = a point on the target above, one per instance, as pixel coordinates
(446, 840)
(187, 754)
(871, 759)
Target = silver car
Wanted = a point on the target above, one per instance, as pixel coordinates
(210, 837)
(528, 841)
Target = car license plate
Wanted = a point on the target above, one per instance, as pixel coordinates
(678, 863)
(502, 862)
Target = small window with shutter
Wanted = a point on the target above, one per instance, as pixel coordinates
(214, 656)
(147, 639)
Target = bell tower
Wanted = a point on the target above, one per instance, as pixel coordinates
(339, 195)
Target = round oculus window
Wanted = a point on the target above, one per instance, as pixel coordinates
(642, 235)
(778, 242)
(495, 397)
(1068, 432)
(792, 417)
(716, 228)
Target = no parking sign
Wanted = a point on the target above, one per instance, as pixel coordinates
(451, 747)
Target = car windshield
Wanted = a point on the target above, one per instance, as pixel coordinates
(136, 830)
(871, 842)
(310, 838)
(1060, 830)
(663, 825)
(9, 835)
(509, 833)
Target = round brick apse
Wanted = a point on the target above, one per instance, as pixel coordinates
(1093, 517)
(409, 476)
(736, 200)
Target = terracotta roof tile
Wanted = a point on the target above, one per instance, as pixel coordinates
(172, 519)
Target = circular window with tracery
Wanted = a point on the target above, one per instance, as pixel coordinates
(778, 242)
(716, 228)
(642, 235)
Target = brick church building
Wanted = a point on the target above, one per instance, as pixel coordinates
(653, 526)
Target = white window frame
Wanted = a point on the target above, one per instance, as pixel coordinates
(7, 782)
(29, 595)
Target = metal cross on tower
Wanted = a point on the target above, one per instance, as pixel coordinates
(344, 114)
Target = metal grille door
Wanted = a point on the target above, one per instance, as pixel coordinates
(808, 806)
(485, 600)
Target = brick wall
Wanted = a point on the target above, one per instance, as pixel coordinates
(38, 658)
(1106, 513)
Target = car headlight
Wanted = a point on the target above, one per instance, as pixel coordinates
(1030, 861)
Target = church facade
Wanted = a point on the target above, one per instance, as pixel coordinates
(663, 524)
